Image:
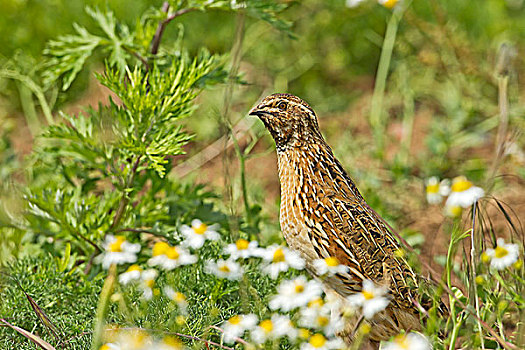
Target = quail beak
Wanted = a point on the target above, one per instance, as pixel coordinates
(256, 111)
(261, 113)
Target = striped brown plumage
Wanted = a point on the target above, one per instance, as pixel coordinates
(324, 215)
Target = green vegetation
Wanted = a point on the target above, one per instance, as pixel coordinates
(120, 125)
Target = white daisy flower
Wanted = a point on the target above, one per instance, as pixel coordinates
(319, 342)
(353, 3)
(243, 249)
(198, 233)
(118, 251)
(295, 293)
(371, 299)
(237, 325)
(177, 297)
(329, 266)
(333, 300)
(436, 190)
(168, 343)
(169, 257)
(319, 315)
(129, 340)
(411, 341)
(453, 211)
(389, 4)
(277, 327)
(132, 274)
(501, 257)
(147, 279)
(463, 193)
(228, 269)
(280, 259)
(110, 346)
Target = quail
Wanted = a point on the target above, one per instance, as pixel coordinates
(323, 215)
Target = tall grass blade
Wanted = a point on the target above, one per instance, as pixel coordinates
(33, 337)
(42, 316)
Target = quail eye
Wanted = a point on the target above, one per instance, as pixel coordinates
(282, 105)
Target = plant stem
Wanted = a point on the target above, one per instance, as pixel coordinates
(138, 56)
(155, 43)
(37, 91)
(28, 106)
(358, 334)
(503, 103)
(244, 188)
(408, 118)
(376, 119)
(102, 308)
(125, 198)
(455, 332)
(473, 265)
(226, 122)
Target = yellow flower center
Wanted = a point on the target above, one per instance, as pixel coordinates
(500, 252)
(266, 325)
(368, 295)
(317, 340)
(389, 4)
(331, 261)
(116, 246)
(172, 253)
(460, 184)
(433, 188)
(299, 288)
(323, 321)
(138, 339)
(316, 302)
(485, 257)
(401, 341)
(134, 267)
(278, 256)
(235, 319)
(365, 328)
(304, 333)
(399, 252)
(242, 244)
(172, 342)
(104, 347)
(179, 297)
(455, 211)
(149, 283)
(224, 268)
(201, 229)
(160, 248)
(180, 320)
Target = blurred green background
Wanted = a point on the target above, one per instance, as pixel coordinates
(440, 106)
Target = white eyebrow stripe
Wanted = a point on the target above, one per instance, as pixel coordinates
(305, 108)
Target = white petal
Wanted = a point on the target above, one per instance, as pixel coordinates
(371, 307)
(212, 235)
